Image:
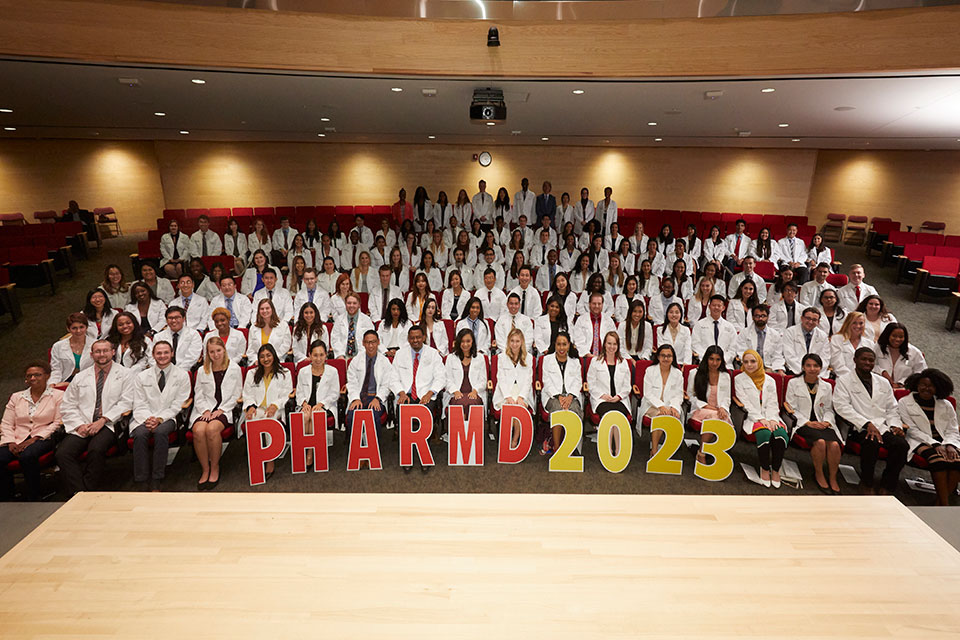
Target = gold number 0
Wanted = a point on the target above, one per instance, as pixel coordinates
(722, 465)
(563, 458)
(663, 461)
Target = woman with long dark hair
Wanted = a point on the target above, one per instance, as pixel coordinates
(897, 359)
(99, 314)
(133, 347)
(710, 393)
(636, 332)
(266, 391)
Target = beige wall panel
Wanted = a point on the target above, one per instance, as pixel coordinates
(40, 175)
(130, 31)
(911, 186)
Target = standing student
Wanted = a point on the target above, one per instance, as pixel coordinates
(71, 354)
(584, 210)
(809, 399)
(757, 392)
(866, 401)
(607, 210)
(317, 392)
(92, 405)
(662, 392)
(218, 385)
(933, 433)
(174, 250)
(561, 386)
(29, 421)
(266, 390)
(158, 396)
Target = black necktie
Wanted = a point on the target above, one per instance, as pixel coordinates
(523, 303)
(716, 332)
(176, 339)
(162, 382)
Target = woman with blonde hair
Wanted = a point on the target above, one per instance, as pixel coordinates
(218, 386)
(362, 277)
(698, 307)
(267, 329)
(844, 343)
(259, 238)
(514, 379)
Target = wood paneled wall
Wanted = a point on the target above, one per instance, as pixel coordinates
(139, 179)
(151, 32)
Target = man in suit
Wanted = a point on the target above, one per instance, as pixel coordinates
(483, 209)
(866, 401)
(546, 203)
(92, 407)
(420, 377)
(803, 338)
(158, 396)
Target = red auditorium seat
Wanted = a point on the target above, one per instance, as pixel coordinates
(832, 229)
(837, 279)
(911, 259)
(947, 252)
(932, 226)
(24, 258)
(196, 213)
(937, 277)
(219, 212)
(263, 212)
(243, 212)
(363, 210)
(47, 216)
(774, 220)
(381, 209)
(932, 239)
(766, 270)
(952, 241)
(286, 211)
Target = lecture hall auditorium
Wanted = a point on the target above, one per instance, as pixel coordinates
(470, 316)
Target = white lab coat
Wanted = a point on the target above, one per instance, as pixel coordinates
(279, 338)
(253, 244)
(847, 295)
(205, 391)
(656, 394)
(214, 244)
(135, 366)
(513, 381)
(414, 306)
(702, 337)
(745, 243)
(150, 402)
(393, 337)
(903, 368)
(757, 251)
(583, 304)
(307, 256)
(301, 345)
(156, 314)
(241, 310)
(554, 381)
(810, 293)
(795, 347)
(453, 374)
(682, 343)
(919, 433)
(282, 302)
(163, 289)
(582, 332)
(501, 329)
(772, 347)
(740, 318)
(542, 330)
(281, 243)
(657, 309)
(815, 257)
(235, 343)
(534, 306)
(760, 283)
(493, 301)
(375, 301)
(713, 252)
(841, 353)
(328, 389)
(606, 212)
(431, 375)
(277, 394)
(383, 372)
(106, 323)
(62, 360)
(481, 335)
(765, 406)
(598, 382)
(184, 248)
(643, 351)
(240, 244)
(338, 336)
(437, 337)
(797, 254)
(79, 400)
(189, 346)
(446, 304)
(778, 314)
(852, 402)
(467, 277)
(724, 387)
(798, 398)
(198, 312)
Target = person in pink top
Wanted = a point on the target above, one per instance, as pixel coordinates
(26, 432)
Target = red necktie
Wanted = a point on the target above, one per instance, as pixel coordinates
(416, 365)
(856, 290)
(736, 249)
(595, 349)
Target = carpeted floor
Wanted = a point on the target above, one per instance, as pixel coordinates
(43, 324)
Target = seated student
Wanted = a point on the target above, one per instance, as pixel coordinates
(393, 328)
(709, 392)
(161, 287)
(666, 297)
(811, 290)
(317, 391)
(434, 330)
(235, 245)
(186, 343)
(327, 278)
(794, 254)
(382, 294)
(282, 242)
(205, 242)
(99, 314)
(548, 326)
(740, 309)
(676, 334)
(682, 281)
(203, 283)
(71, 354)
(299, 249)
(831, 314)
(786, 312)
(420, 376)
(866, 401)
(762, 338)
(489, 262)
(801, 339)
(765, 248)
(738, 247)
(856, 290)
(458, 264)
(757, 392)
(636, 333)
(454, 298)
(437, 247)
(195, 306)
(253, 276)
(327, 250)
(680, 254)
(596, 284)
(361, 276)
(280, 297)
(347, 327)
(233, 340)
(419, 295)
(371, 379)
(580, 275)
(267, 329)
(714, 330)
(569, 255)
(237, 304)
(466, 373)
(748, 273)
(132, 348)
(473, 320)
(514, 379)
(818, 253)
(630, 291)
(339, 296)
(662, 392)
(158, 396)
(175, 250)
(876, 317)
(530, 304)
(699, 306)
(562, 383)
(90, 419)
(266, 390)
(308, 329)
(846, 342)
(809, 399)
(295, 275)
(666, 241)
(365, 232)
(26, 432)
(896, 357)
(399, 272)
(114, 285)
(933, 433)
(512, 319)
(712, 272)
(146, 308)
(714, 248)
(589, 329)
(218, 385)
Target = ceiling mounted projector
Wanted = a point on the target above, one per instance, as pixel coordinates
(488, 106)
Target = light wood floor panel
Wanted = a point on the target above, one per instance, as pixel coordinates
(133, 565)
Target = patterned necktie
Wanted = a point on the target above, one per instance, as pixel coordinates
(595, 347)
(351, 338)
(761, 337)
(162, 382)
(416, 366)
(310, 295)
(98, 407)
(234, 322)
(186, 304)
(286, 242)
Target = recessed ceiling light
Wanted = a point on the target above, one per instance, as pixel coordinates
(578, 92)
(651, 124)
(9, 128)
(184, 132)
(5, 110)
(658, 139)
(198, 81)
(431, 137)
(607, 141)
(795, 140)
(544, 138)
(490, 124)
(783, 125)
(321, 135)
(844, 108)
(396, 89)
(324, 119)
(159, 114)
(767, 90)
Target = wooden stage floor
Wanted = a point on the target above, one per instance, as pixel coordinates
(432, 566)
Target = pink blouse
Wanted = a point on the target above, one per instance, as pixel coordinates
(24, 419)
